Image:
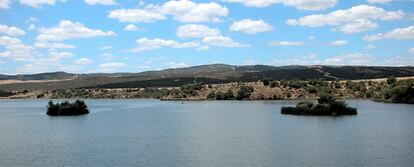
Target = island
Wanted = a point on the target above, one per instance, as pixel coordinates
(67, 109)
(327, 106)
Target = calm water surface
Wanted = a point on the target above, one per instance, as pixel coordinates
(205, 133)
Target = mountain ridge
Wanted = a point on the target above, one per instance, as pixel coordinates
(208, 74)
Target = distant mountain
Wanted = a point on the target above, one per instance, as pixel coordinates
(41, 76)
(209, 74)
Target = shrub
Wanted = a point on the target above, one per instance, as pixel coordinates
(225, 96)
(399, 92)
(327, 108)
(326, 99)
(6, 93)
(67, 109)
(191, 89)
(266, 82)
(211, 95)
(244, 92)
(391, 80)
(274, 84)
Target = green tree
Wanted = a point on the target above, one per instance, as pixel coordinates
(391, 80)
(244, 92)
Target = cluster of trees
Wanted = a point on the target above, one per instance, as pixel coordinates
(67, 109)
(6, 93)
(327, 106)
(244, 92)
(362, 89)
(397, 91)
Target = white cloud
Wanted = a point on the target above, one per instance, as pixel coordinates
(398, 33)
(379, 1)
(132, 27)
(83, 61)
(299, 4)
(37, 3)
(31, 27)
(12, 31)
(196, 31)
(60, 55)
(53, 45)
(173, 64)
(50, 62)
(107, 57)
(338, 43)
(350, 59)
(101, 2)
(287, 43)
(356, 19)
(145, 44)
(399, 61)
(223, 41)
(15, 49)
(357, 26)
(5, 4)
(203, 48)
(210, 36)
(250, 26)
(112, 65)
(69, 30)
(188, 11)
(304, 60)
(411, 51)
(147, 15)
(105, 47)
(181, 10)
(368, 47)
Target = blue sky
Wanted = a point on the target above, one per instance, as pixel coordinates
(84, 36)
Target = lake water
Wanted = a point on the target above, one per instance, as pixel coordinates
(204, 133)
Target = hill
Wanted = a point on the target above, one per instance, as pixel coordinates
(208, 74)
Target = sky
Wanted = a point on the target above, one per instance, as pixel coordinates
(93, 36)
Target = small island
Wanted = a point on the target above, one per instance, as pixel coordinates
(67, 109)
(327, 106)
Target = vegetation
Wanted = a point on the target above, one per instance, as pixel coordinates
(386, 90)
(244, 92)
(191, 89)
(67, 109)
(221, 96)
(6, 93)
(327, 106)
(397, 92)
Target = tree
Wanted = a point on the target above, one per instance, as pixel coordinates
(211, 95)
(244, 92)
(391, 80)
(266, 82)
(326, 99)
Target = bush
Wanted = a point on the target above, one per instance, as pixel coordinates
(326, 99)
(244, 92)
(266, 82)
(312, 89)
(224, 96)
(274, 84)
(67, 109)
(391, 80)
(211, 95)
(6, 93)
(398, 92)
(191, 89)
(326, 108)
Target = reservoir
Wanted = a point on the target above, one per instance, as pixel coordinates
(204, 133)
